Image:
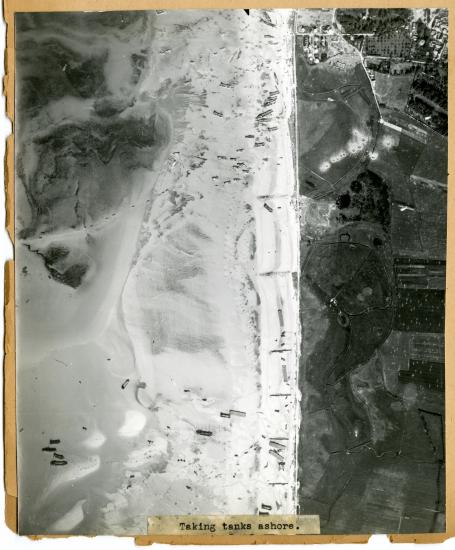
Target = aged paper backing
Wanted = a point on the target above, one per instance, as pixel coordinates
(9, 9)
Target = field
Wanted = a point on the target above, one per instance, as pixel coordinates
(392, 90)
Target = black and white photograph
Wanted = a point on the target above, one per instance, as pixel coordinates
(230, 267)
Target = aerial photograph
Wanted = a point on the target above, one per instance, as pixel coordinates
(230, 267)
(372, 175)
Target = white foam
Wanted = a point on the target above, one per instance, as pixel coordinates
(134, 423)
(70, 520)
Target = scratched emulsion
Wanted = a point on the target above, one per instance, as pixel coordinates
(156, 257)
